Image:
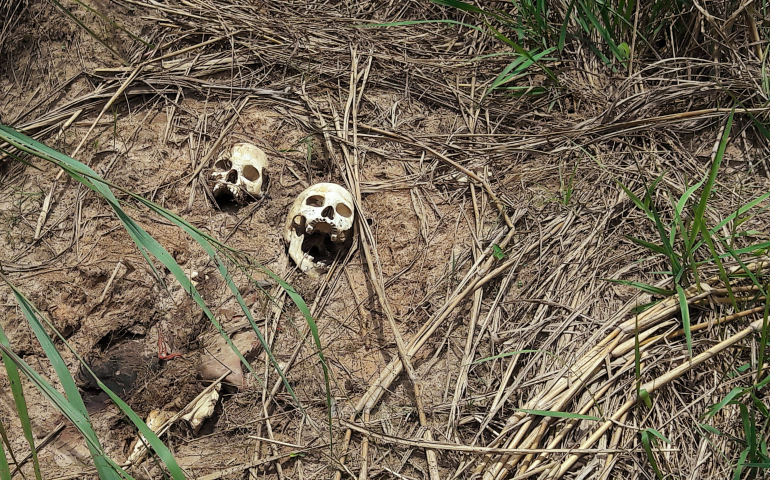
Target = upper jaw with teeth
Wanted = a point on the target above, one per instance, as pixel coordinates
(321, 226)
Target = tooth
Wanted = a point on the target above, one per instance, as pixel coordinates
(334, 237)
(309, 229)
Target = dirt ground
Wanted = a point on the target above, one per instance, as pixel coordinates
(412, 122)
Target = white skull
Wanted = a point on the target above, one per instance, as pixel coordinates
(240, 172)
(319, 226)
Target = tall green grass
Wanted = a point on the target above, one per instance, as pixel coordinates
(689, 245)
(536, 28)
(71, 404)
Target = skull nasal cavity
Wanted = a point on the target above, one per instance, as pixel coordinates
(232, 176)
(328, 212)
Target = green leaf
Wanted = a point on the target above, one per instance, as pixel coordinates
(706, 193)
(81, 419)
(685, 309)
(710, 429)
(645, 398)
(734, 393)
(565, 24)
(648, 441)
(641, 308)
(515, 70)
(687, 194)
(625, 51)
(106, 467)
(5, 470)
(497, 252)
(523, 52)
(741, 462)
(21, 406)
(641, 205)
(749, 428)
(649, 245)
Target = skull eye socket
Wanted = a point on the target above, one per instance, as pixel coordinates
(344, 210)
(251, 173)
(223, 165)
(315, 201)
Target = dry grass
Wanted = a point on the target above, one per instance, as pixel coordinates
(535, 176)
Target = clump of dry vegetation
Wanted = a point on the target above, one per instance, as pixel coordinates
(562, 252)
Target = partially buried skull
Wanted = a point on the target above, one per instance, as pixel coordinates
(239, 173)
(319, 227)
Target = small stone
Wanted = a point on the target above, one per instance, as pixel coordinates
(218, 358)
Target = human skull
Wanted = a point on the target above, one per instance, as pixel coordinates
(240, 172)
(319, 226)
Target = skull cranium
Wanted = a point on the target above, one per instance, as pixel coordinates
(319, 226)
(240, 172)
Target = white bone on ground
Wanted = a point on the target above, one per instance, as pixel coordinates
(310, 206)
(250, 164)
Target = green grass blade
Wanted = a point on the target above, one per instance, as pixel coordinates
(641, 205)
(642, 286)
(649, 245)
(16, 158)
(515, 70)
(722, 273)
(648, 441)
(763, 340)
(735, 393)
(66, 408)
(21, 408)
(155, 443)
(687, 194)
(733, 216)
(65, 378)
(749, 429)
(646, 306)
(741, 462)
(518, 48)
(5, 470)
(300, 302)
(706, 193)
(565, 24)
(710, 429)
(685, 309)
(752, 249)
(673, 258)
(603, 33)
